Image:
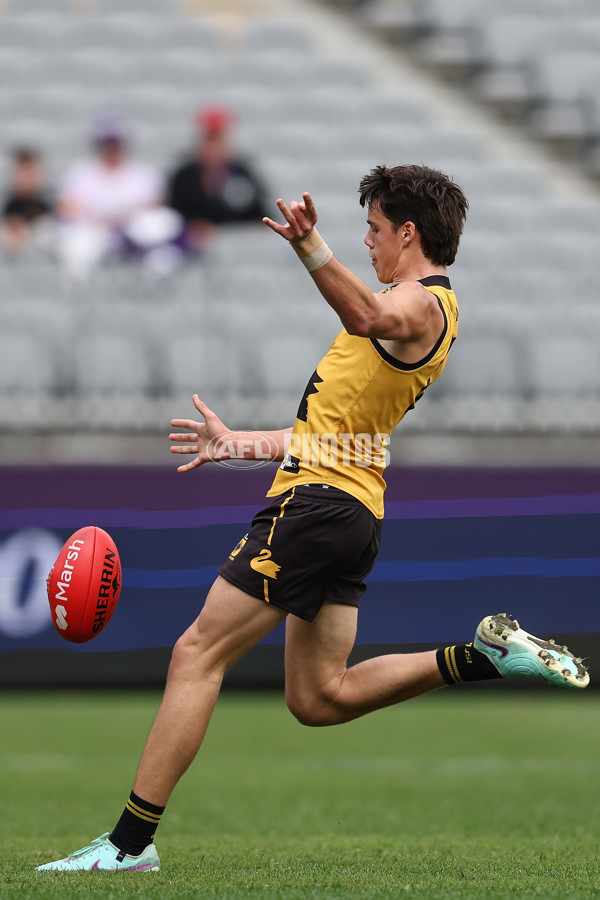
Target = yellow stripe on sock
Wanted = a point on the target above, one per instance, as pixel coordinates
(450, 657)
(454, 663)
(135, 808)
(142, 813)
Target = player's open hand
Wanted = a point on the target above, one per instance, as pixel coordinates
(205, 439)
(300, 217)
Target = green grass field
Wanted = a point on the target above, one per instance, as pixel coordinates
(459, 794)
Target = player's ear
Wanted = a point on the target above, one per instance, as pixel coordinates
(408, 231)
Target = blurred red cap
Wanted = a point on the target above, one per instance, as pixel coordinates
(214, 119)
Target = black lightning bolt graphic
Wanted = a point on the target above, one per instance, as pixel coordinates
(311, 388)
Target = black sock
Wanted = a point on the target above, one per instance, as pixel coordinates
(137, 825)
(462, 662)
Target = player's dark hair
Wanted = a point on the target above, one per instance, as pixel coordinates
(424, 196)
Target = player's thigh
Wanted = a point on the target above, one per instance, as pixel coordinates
(316, 653)
(231, 623)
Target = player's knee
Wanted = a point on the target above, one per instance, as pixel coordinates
(183, 655)
(314, 709)
(191, 660)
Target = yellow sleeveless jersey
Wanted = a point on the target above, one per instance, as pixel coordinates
(353, 402)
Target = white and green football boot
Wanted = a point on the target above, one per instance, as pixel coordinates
(102, 856)
(517, 654)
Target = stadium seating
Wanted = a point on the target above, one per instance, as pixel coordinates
(29, 382)
(243, 325)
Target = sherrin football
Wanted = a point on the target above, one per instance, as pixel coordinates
(84, 585)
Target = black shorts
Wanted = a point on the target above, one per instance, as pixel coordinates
(313, 543)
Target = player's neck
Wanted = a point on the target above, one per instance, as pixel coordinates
(417, 271)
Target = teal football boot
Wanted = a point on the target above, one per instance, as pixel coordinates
(517, 654)
(102, 856)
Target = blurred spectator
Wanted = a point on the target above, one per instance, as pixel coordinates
(109, 188)
(100, 197)
(215, 186)
(26, 203)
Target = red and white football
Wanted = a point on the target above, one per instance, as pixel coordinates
(84, 584)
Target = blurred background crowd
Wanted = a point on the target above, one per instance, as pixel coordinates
(113, 206)
(142, 143)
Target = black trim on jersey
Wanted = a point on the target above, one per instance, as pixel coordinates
(429, 281)
(439, 280)
(409, 367)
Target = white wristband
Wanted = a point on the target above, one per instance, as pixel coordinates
(312, 251)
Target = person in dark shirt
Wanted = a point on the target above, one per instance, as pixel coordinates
(214, 187)
(26, 201)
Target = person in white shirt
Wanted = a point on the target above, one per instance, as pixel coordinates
(99, 197)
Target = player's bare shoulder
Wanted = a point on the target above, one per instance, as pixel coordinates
(419, 308)
(420, 317)
(411, 294)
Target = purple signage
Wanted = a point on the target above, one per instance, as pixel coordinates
(457, 544)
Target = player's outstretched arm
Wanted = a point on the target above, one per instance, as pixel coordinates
(410, 314)
(211, 440)
(350, 297)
